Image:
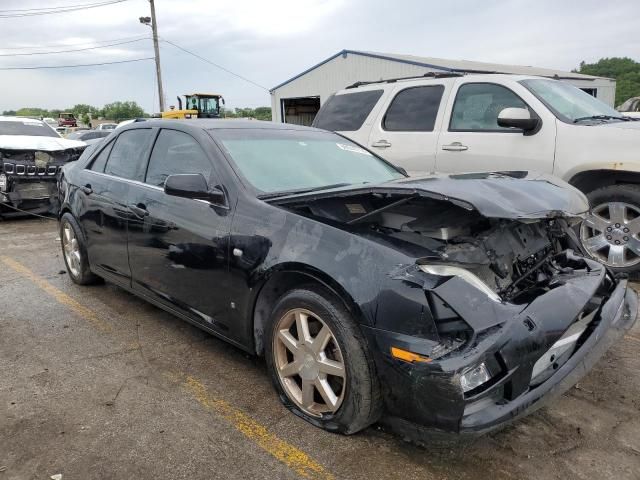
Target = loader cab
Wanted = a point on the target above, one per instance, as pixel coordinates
(207, 105)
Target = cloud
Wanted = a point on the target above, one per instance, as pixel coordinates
(270, 41)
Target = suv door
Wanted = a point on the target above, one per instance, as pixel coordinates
(178, 247)
(104, 219)
(473, 141)
(406, 132)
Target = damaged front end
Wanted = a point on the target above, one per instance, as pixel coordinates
(494, 308)
(28, 179)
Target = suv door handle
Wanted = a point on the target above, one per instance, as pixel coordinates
(381, 144)
(455, 147)
(139, 210)
(87, 189)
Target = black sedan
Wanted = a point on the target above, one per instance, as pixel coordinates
(443, 303)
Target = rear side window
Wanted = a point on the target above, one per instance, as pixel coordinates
(101, 159)
(176, 152)
(129, 154)
(347, 112)
(478, 104)
(414, 109)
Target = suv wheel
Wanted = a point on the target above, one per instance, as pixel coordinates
(319, 364)
(611, 232)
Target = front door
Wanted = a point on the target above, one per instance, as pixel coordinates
(178, 247)
(473, 141)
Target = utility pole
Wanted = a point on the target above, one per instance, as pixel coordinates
(156, 48)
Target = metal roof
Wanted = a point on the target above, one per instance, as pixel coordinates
(447, 65)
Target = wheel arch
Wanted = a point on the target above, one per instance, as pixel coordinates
(283, 278)
(590, 180)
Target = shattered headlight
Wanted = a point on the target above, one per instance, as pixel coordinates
(472, 379)
(466, 275)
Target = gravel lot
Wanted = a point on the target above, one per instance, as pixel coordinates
(97, 384)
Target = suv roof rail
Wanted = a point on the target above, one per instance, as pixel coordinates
(452, 73)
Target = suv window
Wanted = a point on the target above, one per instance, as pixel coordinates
(477, 107)
(414, 109)
(128, 155)
(347, 112)
(101, 159)
(176, 152)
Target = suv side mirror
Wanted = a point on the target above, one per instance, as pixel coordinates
(517, 118)
(192, 185)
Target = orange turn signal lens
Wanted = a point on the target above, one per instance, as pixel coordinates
(410, 357)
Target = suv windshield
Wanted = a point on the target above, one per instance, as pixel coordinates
(33, 128)
(569, 103)
(294, 160)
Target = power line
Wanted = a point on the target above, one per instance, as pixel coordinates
(54, 10)
(67, 51)
(75, 66)
(215, 64)
(76, 44)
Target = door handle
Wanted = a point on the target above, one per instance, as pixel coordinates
(139, 210)
(381, 144)
(455, 147)
(87, 189)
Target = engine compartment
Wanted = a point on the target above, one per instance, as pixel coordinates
(513, 257)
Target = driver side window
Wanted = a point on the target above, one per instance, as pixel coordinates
(477, 107)
(176, 152)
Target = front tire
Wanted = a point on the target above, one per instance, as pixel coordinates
(74, 250)
(611, 232)
(319, 363)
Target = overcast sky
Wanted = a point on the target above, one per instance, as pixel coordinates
(269, 41)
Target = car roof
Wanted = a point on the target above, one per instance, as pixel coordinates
(4, 118)
(428, 80)
(217, 124)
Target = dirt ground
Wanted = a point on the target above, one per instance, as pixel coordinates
(98, 384)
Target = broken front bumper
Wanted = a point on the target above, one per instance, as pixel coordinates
(425, 399)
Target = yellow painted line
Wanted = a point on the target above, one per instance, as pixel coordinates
(292, 457)
(58, 295)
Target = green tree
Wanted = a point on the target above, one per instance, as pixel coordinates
(84, 112)
(625, 70)
(119, 111)
(259, 113)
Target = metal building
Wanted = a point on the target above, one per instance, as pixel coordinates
(298, 99)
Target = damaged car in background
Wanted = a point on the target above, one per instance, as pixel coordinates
(31, 155)
(444, 304)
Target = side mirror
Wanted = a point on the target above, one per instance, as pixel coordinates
(517, 118)
(192, 185)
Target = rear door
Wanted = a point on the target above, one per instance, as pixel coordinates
(178, 247)
(471, 139)
(406, 130)
(105, 215)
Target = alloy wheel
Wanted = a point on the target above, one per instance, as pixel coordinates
(611, 234)
(309, 362)
(71, 249)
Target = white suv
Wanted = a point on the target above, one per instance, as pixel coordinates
(480, 122)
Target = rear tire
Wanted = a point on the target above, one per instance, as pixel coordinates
(611, 232)
(353, 393)
(74, 251)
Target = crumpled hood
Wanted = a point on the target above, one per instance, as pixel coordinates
(525, 195)
(46, 144)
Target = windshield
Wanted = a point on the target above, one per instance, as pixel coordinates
(34, 128)
(567, 102)
(209, 105)
(295, 160)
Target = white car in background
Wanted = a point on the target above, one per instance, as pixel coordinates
(492, 122)
(107, 126)
(31, 155)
